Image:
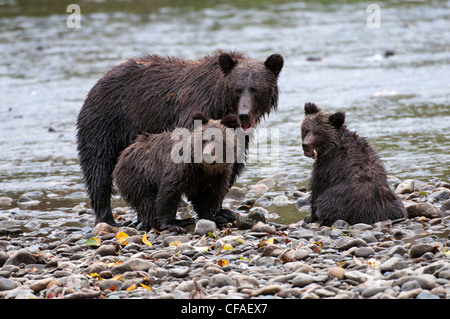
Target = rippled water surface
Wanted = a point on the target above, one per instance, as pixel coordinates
(400, 102)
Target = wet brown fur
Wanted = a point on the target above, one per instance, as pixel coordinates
(154, 94)
(152, 183)
(349, 180)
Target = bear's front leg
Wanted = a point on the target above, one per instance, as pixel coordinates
(224, 217)
(166, 209)
(208, 205)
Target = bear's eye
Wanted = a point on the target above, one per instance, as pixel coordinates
(253, 90)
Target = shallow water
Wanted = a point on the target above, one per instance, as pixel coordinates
(401, 102)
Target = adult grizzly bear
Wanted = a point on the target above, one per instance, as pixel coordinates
(155, 94)
(151, 176)
(348, 180)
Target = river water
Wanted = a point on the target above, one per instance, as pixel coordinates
(401, 102)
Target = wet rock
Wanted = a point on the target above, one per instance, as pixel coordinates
(426, 295)
(236, 193)
(267, 290)
(259, 188)
(364, 252)
(425, 281)
(420, 249)
(336, 272)
(22, 256)
(41, 284)
(393, 263)
(106, 250)
(280, 200)
(22, 292)
(440, 194)
(269, 182)
(303, 200)
(204, 226)
(405, 187)
(102, 229)
(5, 200)
(302, 280)
(179, 272)
(221, 280)
(257, 214)
(423, 209)
(171, 239)
(110, 284)
(445, 207)
(134, 264)
(288, 256)
(7, 284)
(263, 228)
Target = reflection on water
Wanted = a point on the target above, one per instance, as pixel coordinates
(400, 102)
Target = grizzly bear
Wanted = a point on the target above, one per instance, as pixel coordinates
(349, 180)
(154, 172)
(154, 94)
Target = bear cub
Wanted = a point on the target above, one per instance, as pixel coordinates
(154, 172)
(349, 180)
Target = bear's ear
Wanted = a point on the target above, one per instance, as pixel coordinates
(200, 116)
(226, 63)
(337, 119)
(230, 120)
(274, 63)
(311, 108)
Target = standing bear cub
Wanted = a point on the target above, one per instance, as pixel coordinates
(348, 181)
(154, 172)
(155, 94)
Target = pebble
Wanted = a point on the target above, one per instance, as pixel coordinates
(423, 209)
(419, 249)
(403, 259)
(204, 226)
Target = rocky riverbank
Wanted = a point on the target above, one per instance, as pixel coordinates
(256, 258)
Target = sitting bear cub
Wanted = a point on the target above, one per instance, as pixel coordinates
(348, 180)
(151, 177)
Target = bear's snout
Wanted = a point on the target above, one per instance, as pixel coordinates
(308, 151)
(245, 119)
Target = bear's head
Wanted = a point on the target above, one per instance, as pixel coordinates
(251, 86)
(218, 142)
(320, 131)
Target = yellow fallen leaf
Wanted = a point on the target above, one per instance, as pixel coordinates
(145, 286)
(94, 275)
(121, 237)
(146, 241)
(227, 247)
(111, 264)
(132, 287)
(270, 240)
(175, 243)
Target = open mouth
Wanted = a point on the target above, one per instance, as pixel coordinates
(312, 154)
(246, 126)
